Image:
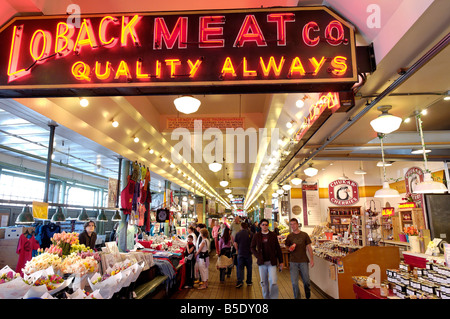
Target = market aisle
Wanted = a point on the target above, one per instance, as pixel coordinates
(227, 290)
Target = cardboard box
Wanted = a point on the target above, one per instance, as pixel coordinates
(13, 232)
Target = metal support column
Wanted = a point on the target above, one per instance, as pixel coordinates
(52, 126)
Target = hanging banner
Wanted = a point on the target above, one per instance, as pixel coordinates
(343, 192)
(40, 210)
(112, 192)
(309, 49)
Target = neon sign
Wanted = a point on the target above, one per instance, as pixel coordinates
(328, 101)
(293, 47)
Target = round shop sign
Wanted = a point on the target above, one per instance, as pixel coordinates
(296, 210)
(343, 192)
(413, 176)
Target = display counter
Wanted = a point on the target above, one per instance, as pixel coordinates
(334, 279)
(420, 260)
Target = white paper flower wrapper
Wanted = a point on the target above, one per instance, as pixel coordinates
(106, 287)
(80, 294)
(15, 289)
(35, 292)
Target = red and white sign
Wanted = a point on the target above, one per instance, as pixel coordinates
(388, 211)
(343, 192)
(413, 176)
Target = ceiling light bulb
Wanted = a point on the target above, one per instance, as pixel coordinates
(300, 103)
(386, 123)
(419, 151)
(228, 191)
(115, 124)
(424, 112)
(136, 139)
(296, 181)
(215, 167)
(84, 102)
(286, 187)
(187, 104)
(151, 151)
(407, 120)
(280, 191)
(428, 186)
(172, 165)
(386, 191)
(223, 183)
(289, 124)
(275, 195)
(380, 164)
(311, 171)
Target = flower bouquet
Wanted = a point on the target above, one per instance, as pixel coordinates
(107, 284)
(45, 281)
(13, 286)
(41, 262)
(65, 241)
(411, 231)
(408, 198)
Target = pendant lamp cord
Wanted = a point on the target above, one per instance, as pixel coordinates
(381, 136)
(419, 126)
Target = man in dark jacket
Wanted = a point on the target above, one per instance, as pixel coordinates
(267, 251)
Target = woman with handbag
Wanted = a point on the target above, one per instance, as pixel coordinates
(203, 258)
(225, 250)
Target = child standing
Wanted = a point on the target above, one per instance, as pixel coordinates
(189, 262)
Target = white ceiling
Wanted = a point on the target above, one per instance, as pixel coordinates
(409, 29)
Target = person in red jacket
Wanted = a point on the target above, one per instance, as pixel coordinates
(267, 251)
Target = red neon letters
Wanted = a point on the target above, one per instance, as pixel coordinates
(109, 31)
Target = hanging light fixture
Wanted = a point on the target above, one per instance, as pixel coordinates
(311, 171)
(116, 216)
(360, 171)
(187, 104)
(296, 180)
(386, 123)
(428, 186)
(275, 195)
(228, 191)
(286, 187)
(83, 217)
(419, 151)
(59, 215)
(215, 167)
(386, 191)
(25, 217)
(280, 191)
(101, 217)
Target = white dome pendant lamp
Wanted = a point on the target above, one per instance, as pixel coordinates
(428, 186)
(386, 191)
(187, 104)
(386, 123)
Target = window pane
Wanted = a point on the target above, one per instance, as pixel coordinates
(80, 196)
(19, 188)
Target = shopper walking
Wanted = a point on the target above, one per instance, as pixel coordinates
(299, 243)
(235, 228)
(203, 258)
(215, 234)
(225, 249)
(189, 262)
(242, 243)
(267, 251)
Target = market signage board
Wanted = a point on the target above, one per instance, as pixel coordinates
(290, 49)
(414, 176)
(343, 192)
(192, 123)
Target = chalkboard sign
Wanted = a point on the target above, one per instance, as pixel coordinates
(438, 212)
